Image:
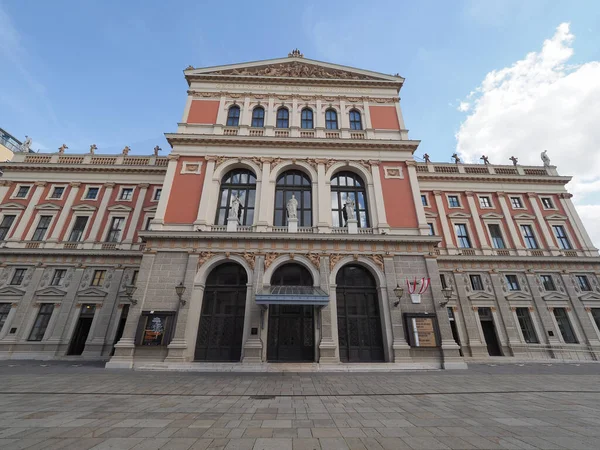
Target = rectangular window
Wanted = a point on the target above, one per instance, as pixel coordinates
(92, 193)
(4, 310)
(5, 225)
(476, 282)
(17, 277)
(57, 192)
(126, 194)
(462, 236)
(547, 203)
(453, 201)
(59, 276)
(496, 235)
(154, 328)
(22, 192)
(485, 202)
(135, 277)
(98, 279)
(41, 322)
(424, 200)
(148, 223)
(157, 194)
(526, 325)
(78, 228)
(529, 237)
(116, 227)
(595, 315)
(561, 237)
(513, 283)
(548, 282)
(443, 281)
(564, 326)
(516, 202)
(583, 282)
(431, 229)
(41, 229)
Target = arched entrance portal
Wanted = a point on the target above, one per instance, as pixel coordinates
(222, 320)
(359, 321)
(291, 327)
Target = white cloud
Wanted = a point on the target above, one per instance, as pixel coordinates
(542, 103)
(464, 106)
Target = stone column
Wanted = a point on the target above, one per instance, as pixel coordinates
(328, 347)
(533, 198)
(135, 217)
(506, 315)
(95, 235)
(411, 168)
(379, 203)
(161, 208)
(203, 218)
(125, 348)
(400, 348)
(481, 236)
(178, 349)
(19, 233)
(450, 350)
(222, 112)
(253, 351)
(477, 347)
(263, 207)
(512, 230)
(324, 191)
(582, 235)
(444, 222)
(65, 212)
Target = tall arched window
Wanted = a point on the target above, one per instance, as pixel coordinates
(307, 118)
(297, 183)
(355, 122)
(348, 186)
(331, 119)
(258, 117)
(240, 183)
(233, 116)
(283, 118)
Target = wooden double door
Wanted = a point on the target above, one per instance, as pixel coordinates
(291, 333)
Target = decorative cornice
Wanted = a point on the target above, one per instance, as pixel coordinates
(492, 177)
(287, 97)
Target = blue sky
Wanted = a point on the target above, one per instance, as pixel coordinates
(110, 72)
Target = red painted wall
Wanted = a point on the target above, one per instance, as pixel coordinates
(397, 197)
(203, 111)
(186, 191)
(384, 118)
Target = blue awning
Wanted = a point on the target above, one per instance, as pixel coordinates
(293, 295)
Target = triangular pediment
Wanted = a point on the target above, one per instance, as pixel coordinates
(120, 208)
(292, 67)
(91, 292)
(50, 291)
(590, 296)
(524, 216)
(48, 207)
(430, 214)
(554, 296)
(481, 295)
(150, 209)
(84, 208)
(492, 215)
(9, 291)
(518, 296)
(459, 215)
(556, 217)
(12, 205)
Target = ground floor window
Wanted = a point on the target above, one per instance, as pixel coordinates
(526, 325)
(154, 328)
(4, 310)
(564, 325)
(595, 315)
(41, 322)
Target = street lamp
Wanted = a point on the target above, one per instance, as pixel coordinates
(399, 292)
(129, 291)
(447, 293)
(180, 290)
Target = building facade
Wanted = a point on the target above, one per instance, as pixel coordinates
(284, 226)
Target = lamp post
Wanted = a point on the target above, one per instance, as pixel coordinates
(129, 291)
(180, 290)
(399, 292)
(447, 293)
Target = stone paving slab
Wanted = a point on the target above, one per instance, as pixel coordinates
(487, 407)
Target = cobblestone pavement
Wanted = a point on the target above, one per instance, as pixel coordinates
(82, 406)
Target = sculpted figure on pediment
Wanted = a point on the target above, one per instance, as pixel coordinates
(296, 70)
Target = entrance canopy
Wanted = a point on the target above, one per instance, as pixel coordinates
(293, 295)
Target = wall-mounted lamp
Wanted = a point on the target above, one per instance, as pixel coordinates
(129, 291)
(447, 293)
(399, 292)
(180, 290)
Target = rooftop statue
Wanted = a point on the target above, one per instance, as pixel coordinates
(485, 159)
(62, 148)
(456, 158)
(514, 160)
(545, 158)
(93, 148)
(25, 146)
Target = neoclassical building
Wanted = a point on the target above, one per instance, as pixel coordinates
(291, 223)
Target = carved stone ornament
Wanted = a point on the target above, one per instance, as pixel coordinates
(333, 259)
(250, 259)
(295, 69)
(269, 258)
(203, 257)
(314, 258)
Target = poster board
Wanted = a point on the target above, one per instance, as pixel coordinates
(422, 330)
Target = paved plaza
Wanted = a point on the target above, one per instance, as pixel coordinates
(67, 405)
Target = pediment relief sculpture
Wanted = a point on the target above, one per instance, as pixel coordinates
(294, 70)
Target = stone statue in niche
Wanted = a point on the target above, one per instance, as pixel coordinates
(545, 158)
(292, 208)
(349, 208)
(235, 208)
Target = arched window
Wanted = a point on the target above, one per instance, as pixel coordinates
(233, 116)
(331, 119)
(345, 187)
(291, 275)
(258, 117)
(283, 118)
(307, 118)
(297, 183)
(240, 183)
(355, 122)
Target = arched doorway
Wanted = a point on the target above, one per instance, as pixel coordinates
(359, 320)
(291, 327)
(222, 320)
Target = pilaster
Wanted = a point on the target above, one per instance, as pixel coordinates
(533, 198)
(65, 212)
(379, 203)
(400, 348)
(411, 167)
(135, 217)
(483, 241)
(328, 347)
(19, 233)
(159, 217)
(97, 221)
(443, 220)
(512, 230)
